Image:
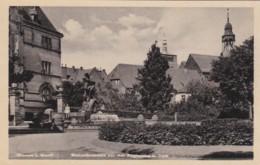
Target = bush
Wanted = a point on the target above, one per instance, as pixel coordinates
(210, 132)
(191, 117)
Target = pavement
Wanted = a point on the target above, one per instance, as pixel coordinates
(85, 144)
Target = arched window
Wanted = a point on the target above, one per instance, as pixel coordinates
(46, 91)
(46, 94)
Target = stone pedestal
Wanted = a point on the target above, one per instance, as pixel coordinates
(14, 104)
(59, 104)
(88, 105)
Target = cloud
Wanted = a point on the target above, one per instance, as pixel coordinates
(97, 20)
(132, 20)
(73, 30)
(102, 47)
(128, 38)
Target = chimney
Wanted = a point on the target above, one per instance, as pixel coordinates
(73, 67)
(65, 65)
(81, 68)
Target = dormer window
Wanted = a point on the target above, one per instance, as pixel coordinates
(116, 82)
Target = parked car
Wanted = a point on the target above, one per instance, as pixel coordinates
(54, 122)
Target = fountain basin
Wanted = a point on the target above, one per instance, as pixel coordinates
(100, 117)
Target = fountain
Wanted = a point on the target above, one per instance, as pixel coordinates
(89, 104)
(100, 117)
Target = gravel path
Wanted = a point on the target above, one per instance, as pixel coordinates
(85, 145)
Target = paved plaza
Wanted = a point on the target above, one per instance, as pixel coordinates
(84, 144)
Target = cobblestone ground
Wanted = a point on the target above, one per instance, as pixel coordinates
(85, 145)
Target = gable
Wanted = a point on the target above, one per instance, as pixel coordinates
(201, 63)
(126, 73)
(41, 19)
(181, 78)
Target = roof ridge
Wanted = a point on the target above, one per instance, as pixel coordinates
(128, 64)
(195, 54)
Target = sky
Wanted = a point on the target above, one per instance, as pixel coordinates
(103, 37)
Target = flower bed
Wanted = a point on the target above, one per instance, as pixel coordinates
(210, 132)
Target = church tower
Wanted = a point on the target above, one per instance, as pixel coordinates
(164, 46)
(228, 38)
(171, 58)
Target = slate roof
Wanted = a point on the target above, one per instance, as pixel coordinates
(76, 74)
(126, 73)
(181, 78)
(203, 61)
(41, 19)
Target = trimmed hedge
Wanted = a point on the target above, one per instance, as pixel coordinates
(210, 132)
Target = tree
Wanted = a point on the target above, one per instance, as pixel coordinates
(203, 97)
(235, 74)
(154, 86)
(17, 73)
(73, 93)
(202, 91)
(113, 101)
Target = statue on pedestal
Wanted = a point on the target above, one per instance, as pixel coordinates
(89, 88)
(89, 93)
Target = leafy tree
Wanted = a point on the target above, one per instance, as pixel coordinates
(17, 73)
(114, 101)
(202, 91)
(154, 86)
(235, 74)
(201, 101)
(73, 93)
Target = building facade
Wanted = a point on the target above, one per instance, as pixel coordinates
(35, 40)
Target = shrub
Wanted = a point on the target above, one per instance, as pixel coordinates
(210, 132)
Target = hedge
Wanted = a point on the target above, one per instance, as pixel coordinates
(210, 132)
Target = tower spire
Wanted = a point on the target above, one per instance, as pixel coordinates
(228, 38)
(227, 15)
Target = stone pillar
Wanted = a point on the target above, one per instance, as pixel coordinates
(14, 101)
(176, 116)
(60, 100)
(250, 111)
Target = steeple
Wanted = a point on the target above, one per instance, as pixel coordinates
(228, 38)
(227, 15)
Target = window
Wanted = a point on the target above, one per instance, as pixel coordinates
(169, 58)
(46, 67)
(183, 98)
(116, 82)
(46, 42)
(46, 94)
